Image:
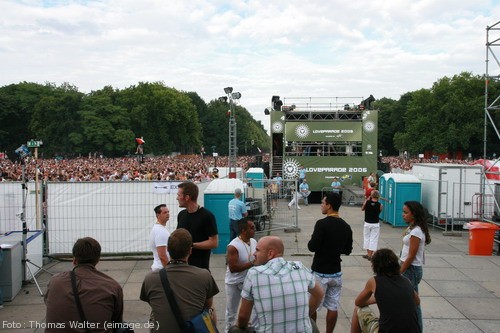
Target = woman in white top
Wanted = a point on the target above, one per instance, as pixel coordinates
(414, 241)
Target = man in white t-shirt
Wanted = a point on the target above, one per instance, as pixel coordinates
(159, 238)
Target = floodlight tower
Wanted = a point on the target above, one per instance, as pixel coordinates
(233, 149)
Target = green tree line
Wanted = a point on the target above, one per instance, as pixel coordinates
(108, 120)
(445, 119)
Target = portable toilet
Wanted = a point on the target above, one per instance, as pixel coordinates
(255, 177)
(217, 196)
(382, 187)
(400, 188)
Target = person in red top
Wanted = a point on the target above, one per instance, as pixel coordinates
(369, 189)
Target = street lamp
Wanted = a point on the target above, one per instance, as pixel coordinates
(233, 149)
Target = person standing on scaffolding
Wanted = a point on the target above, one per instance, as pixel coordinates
(140, 148)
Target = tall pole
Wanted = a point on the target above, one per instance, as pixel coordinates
(23, 214)
(37, 192)
(233, 148)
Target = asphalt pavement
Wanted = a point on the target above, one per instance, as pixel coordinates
(459, 293)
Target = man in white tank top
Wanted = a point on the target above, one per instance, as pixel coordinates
(240, 257)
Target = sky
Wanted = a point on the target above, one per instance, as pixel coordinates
(289, 48)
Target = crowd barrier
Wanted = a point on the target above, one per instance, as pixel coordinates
(119, 214)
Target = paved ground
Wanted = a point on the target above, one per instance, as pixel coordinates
(459, 293)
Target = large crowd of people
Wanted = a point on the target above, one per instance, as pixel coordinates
(399, 163)
(182, 167)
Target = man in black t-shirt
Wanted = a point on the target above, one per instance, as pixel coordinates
(200, 223)
(332, 236)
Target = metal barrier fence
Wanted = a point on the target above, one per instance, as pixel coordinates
(11, 198)
(272, 204)
(120, 214)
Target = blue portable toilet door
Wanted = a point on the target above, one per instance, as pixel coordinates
(383, 194)
(405, 192)
(390, 204)
(399, 200)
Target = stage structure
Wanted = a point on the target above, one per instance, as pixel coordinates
(326, 136)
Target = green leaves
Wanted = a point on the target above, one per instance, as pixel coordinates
(449, 117)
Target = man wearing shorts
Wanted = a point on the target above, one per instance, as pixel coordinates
(332, 236)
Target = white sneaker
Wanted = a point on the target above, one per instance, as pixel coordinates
(1, 307)
(298, 207)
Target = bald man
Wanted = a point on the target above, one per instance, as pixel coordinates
(287, 283)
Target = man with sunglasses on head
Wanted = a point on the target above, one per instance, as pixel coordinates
(200, 223)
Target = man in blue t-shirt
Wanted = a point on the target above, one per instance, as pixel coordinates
(237, 210)
(302, 174)
(304, 191)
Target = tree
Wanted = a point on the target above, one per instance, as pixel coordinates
(165, 117)
(444, 119)
(106, 126)
(389, 116)
(216, 127)
(17, 102)
(55, 118)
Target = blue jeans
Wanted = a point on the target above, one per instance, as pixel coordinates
(233, 229)
(414, 274)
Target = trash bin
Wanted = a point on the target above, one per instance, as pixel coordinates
(481, 237)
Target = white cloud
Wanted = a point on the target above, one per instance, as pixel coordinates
(261, 48)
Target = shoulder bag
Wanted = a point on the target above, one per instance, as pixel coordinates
(201, 323)
(123, 329)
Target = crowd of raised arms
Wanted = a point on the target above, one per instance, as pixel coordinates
(182, 167)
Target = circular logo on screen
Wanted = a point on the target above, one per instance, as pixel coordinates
(277, 127)
(369, 126)
(290, 169)
(302, 131)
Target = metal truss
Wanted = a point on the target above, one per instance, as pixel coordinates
(492, 44)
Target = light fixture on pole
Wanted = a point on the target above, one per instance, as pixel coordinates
(233, 149)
